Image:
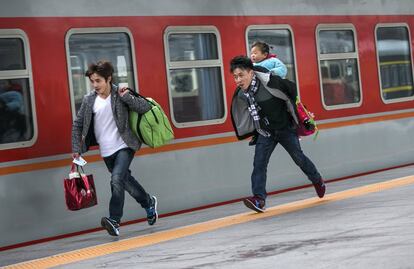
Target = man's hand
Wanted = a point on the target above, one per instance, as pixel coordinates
(122, 91)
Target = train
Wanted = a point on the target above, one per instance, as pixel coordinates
(352, 62)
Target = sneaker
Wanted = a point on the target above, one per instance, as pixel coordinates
(110, 225)
(152, 214)
(255, 203)
(320, 188)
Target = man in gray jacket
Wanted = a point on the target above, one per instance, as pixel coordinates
(103, 120)
(263, 104)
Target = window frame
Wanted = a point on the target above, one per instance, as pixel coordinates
(338, 56)
(97, 30)
(389, 25)
(275, 27)
(208, 29)
(21, 74)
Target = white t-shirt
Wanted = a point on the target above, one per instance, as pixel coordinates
(106, 132)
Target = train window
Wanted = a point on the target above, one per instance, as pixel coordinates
(338, 66)
(191, 50)
(280, 40)
(334, 41)
(394, 62)
(17, 114)
(12, 54)
(85, 46)
(195, 75)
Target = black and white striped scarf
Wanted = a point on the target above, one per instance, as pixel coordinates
(254, 108)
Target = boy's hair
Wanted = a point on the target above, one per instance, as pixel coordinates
(262, 46)
(241, 62)
(102, 68)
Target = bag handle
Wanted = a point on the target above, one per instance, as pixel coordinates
(72, 169)
(86, 183)
(84, 177)
(134, 93)
(74, 165)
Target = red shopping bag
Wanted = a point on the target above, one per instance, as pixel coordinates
(307, 124)
(80, 189)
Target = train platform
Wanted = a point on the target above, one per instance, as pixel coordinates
(363, 222)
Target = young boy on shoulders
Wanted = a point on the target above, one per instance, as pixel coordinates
(261, 56)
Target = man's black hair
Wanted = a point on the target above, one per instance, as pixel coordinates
(102, 68)
(241, 62)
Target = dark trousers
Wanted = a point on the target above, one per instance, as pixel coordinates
(121, 180)
(264, 149)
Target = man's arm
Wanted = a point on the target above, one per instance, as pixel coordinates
(286, 86)
(77, 127)
(135, 102)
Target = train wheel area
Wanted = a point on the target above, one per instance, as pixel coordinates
(362, 222)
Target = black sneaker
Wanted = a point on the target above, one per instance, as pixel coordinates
(255, 203)
(110, 225)
(152, 214)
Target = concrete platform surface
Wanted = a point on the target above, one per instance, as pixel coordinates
(363, 222)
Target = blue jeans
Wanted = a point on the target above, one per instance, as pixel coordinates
(121, 180)
(264, 149)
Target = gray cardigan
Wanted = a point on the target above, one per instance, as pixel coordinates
(83, 131)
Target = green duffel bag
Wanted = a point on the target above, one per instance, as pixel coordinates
(153, 127)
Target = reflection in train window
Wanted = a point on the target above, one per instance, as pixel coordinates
(394, 62)
(191, 50)
(16, 104)
(334, 41)
(12, 54)
(195, 76)
(280, 40)
(88, 46)
(338, 66)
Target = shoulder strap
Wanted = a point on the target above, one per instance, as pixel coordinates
(134, 93)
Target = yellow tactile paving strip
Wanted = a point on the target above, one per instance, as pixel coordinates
(151, 239)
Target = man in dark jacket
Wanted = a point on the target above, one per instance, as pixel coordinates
(263, 104)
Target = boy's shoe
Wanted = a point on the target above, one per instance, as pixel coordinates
(110, 225)
(320, 188)
(255, 203)
(152, 214)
